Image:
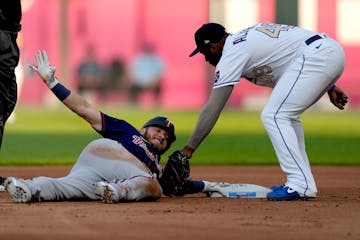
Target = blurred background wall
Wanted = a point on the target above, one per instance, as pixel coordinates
(117, 29)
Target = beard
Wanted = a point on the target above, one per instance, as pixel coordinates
(214, 59)
(157, 148)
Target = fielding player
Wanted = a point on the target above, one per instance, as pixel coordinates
(299, 65)
(122, 166)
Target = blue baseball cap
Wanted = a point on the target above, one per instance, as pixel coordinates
(207, 33)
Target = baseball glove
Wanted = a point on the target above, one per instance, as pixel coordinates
(175, 174)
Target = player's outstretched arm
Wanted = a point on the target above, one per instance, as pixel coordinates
(72, 100)
(208, 116)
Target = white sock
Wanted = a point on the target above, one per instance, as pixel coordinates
(208, 186)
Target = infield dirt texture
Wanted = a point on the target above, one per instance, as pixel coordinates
(335, 214)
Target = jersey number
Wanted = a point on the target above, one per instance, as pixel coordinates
(273, 30)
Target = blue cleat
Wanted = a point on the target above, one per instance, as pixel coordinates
(275, 188)
(283, 193)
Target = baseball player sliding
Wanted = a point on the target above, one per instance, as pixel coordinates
(298, 64)
(122, 166)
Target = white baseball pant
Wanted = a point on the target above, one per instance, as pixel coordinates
(317, 67)
(101, 160)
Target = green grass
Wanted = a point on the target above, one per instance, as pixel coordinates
(56, 137)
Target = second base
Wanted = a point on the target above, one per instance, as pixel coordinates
(243, 191)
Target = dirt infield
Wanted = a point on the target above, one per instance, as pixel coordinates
(334, 214)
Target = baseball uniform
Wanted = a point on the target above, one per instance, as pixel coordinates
(298, 64)
(123, 154)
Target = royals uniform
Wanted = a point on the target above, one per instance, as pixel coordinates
(122, 154)
(300, 65)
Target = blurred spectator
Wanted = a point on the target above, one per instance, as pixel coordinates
(115, 80)
(89, 72)
(115, 75)
(146, 72)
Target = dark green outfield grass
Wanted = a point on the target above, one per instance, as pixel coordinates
(56, 137)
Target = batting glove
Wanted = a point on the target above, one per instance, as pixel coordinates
(43, 68)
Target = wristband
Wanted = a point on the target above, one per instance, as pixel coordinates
(331, 88)
(60, 91)
(52, 83)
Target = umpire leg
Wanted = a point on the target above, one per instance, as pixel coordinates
(9, 59)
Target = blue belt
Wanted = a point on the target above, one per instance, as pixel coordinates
(312, 39)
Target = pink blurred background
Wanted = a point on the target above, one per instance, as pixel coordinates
(118, 28)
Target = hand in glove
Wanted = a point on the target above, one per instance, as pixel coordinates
(44, 69)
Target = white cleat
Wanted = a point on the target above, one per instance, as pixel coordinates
(109, 192)
(19, 191)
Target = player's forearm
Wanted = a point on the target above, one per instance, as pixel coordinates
(205, 123)
(207, 118)
(81, 107)
(76, 103)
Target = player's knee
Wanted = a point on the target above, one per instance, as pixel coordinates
(267, 117)
(143, 188)
(154, 188)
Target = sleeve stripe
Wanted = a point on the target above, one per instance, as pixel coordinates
(226, 84)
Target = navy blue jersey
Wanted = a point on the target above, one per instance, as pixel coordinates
(124, 133)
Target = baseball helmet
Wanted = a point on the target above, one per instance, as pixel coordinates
(164, 123)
